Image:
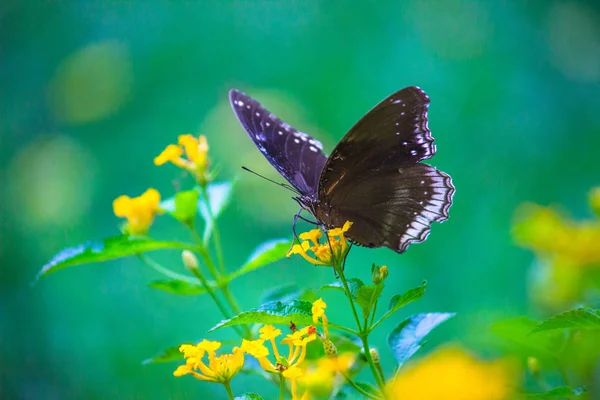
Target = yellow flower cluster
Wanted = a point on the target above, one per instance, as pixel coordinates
(220, 369)
(196, 159)
(331, 252)
(453, 374)
(289, 364)
(139, 211)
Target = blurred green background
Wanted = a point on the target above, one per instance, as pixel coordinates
(92, 91)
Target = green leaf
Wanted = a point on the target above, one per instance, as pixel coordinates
(265, 254)
(580, 318)
(169, 354)
(400, 300)
(177, 286)
(249, 396)
(367, 296)
(408, 337)
(219, 195)
(517, 332)
(186, 205)
(353, 284)
(559, 392)
(276, 312)
(108, 249)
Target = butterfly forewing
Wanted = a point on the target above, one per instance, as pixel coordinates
(296, 156)
(374, 177)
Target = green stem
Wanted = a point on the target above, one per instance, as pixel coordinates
(165, 271)
(363, 332)
(281, 387)
(358, 388)
(373, 315)
(229, 392)
(215, 229)
(198, 274)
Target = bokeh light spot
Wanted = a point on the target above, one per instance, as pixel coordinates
(50, 183)
(91, 84)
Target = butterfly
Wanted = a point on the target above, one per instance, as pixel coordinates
(374, 177)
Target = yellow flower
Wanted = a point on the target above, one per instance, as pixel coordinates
(293, 373)
(296, 342)
(196, 159)
(452, 374)
(220, 369)
(318, 312)
(320, 377)
(333, 250)
(139, 211)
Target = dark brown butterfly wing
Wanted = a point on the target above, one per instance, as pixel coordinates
(374, 177)
(298, 157)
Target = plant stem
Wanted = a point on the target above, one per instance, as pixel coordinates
(281, 387)
(229, 392)
(165, 271)
(363, 332)
(214, 296)
(358, 388)
(215, 229)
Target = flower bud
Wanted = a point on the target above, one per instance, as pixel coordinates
(533, 365)
(378, 274)
(189, 260)
(375, 356)
(329, 347)
(595, 200)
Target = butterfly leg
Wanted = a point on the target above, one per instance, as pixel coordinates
(294, 229)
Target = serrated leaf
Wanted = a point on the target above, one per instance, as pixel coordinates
(169, 354)
(517, 332)
(219, 195)
(400, 300)
(276, 312)
(249, 396)
(177, 286)
(580, 318)
(367, 296)
(408, 337)
(265, 254)
(186, 205)
(559, 392)
(353, 285)
(108, 249)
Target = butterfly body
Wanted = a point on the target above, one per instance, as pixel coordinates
(374, 177)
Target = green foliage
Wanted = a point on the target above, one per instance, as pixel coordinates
(219, 195)
(580, 318)
(354, 285)
(265, 254)
(249, 396)
(277, 312)
(286, 293)
(400, 300)
(108, 249)
(408, 337)
(186, 204)
(562, 392)
(517, 333)
(169, 354)
(177, 286)
(367, 296)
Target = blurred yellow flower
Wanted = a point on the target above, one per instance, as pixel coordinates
(139, 211)
(318, 312)
(453, 374)
(220, 369)
(321, 376)
(336, 243)
(196, 159)
(595, 200)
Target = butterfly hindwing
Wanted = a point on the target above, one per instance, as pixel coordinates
(297, 157)
(374, 176)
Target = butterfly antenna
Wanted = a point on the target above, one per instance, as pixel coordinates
(283, 185)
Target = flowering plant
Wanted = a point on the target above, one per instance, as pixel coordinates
(296, 343)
